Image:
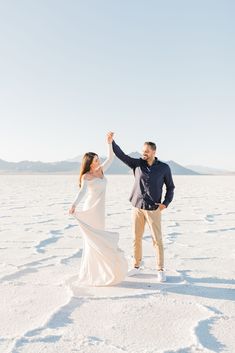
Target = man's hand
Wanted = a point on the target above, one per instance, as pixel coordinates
(110, 136)
(161, 206)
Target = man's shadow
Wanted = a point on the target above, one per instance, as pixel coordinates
(186, 285)
(191, 286)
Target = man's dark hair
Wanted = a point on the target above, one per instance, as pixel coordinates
(151, 145)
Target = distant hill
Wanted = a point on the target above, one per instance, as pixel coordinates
(73, 165)
(120, 168)
(75, 159)
(207, 170)
(178, 169)
(37, 167)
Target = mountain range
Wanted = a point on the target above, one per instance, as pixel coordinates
(72, 166)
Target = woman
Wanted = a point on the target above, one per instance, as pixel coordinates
(103, 263)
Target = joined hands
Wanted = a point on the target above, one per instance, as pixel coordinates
(110, 136)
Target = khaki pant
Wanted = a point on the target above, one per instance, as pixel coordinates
(153, 218)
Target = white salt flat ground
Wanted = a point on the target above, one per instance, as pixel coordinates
(40, 252)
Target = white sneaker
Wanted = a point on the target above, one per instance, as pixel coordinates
(135, 271)
(161, 276)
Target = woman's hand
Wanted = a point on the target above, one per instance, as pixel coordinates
(72, 210)
(110, 136)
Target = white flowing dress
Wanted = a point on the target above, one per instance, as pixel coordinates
(103, 263)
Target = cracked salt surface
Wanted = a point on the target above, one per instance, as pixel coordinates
(42, 309)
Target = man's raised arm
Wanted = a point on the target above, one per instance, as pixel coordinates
(131, 162)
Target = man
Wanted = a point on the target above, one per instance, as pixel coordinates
(146, 197)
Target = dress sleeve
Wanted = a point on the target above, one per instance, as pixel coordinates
(106, 164)
(81, 193)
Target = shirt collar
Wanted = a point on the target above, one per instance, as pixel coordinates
(155, 162)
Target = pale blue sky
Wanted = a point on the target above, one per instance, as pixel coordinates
(146, 69)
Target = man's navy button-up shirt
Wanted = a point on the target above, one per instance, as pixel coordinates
(149, 181)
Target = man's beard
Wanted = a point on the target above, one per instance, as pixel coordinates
(145, 157)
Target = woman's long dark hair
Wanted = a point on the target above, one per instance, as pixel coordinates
(86, 164)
